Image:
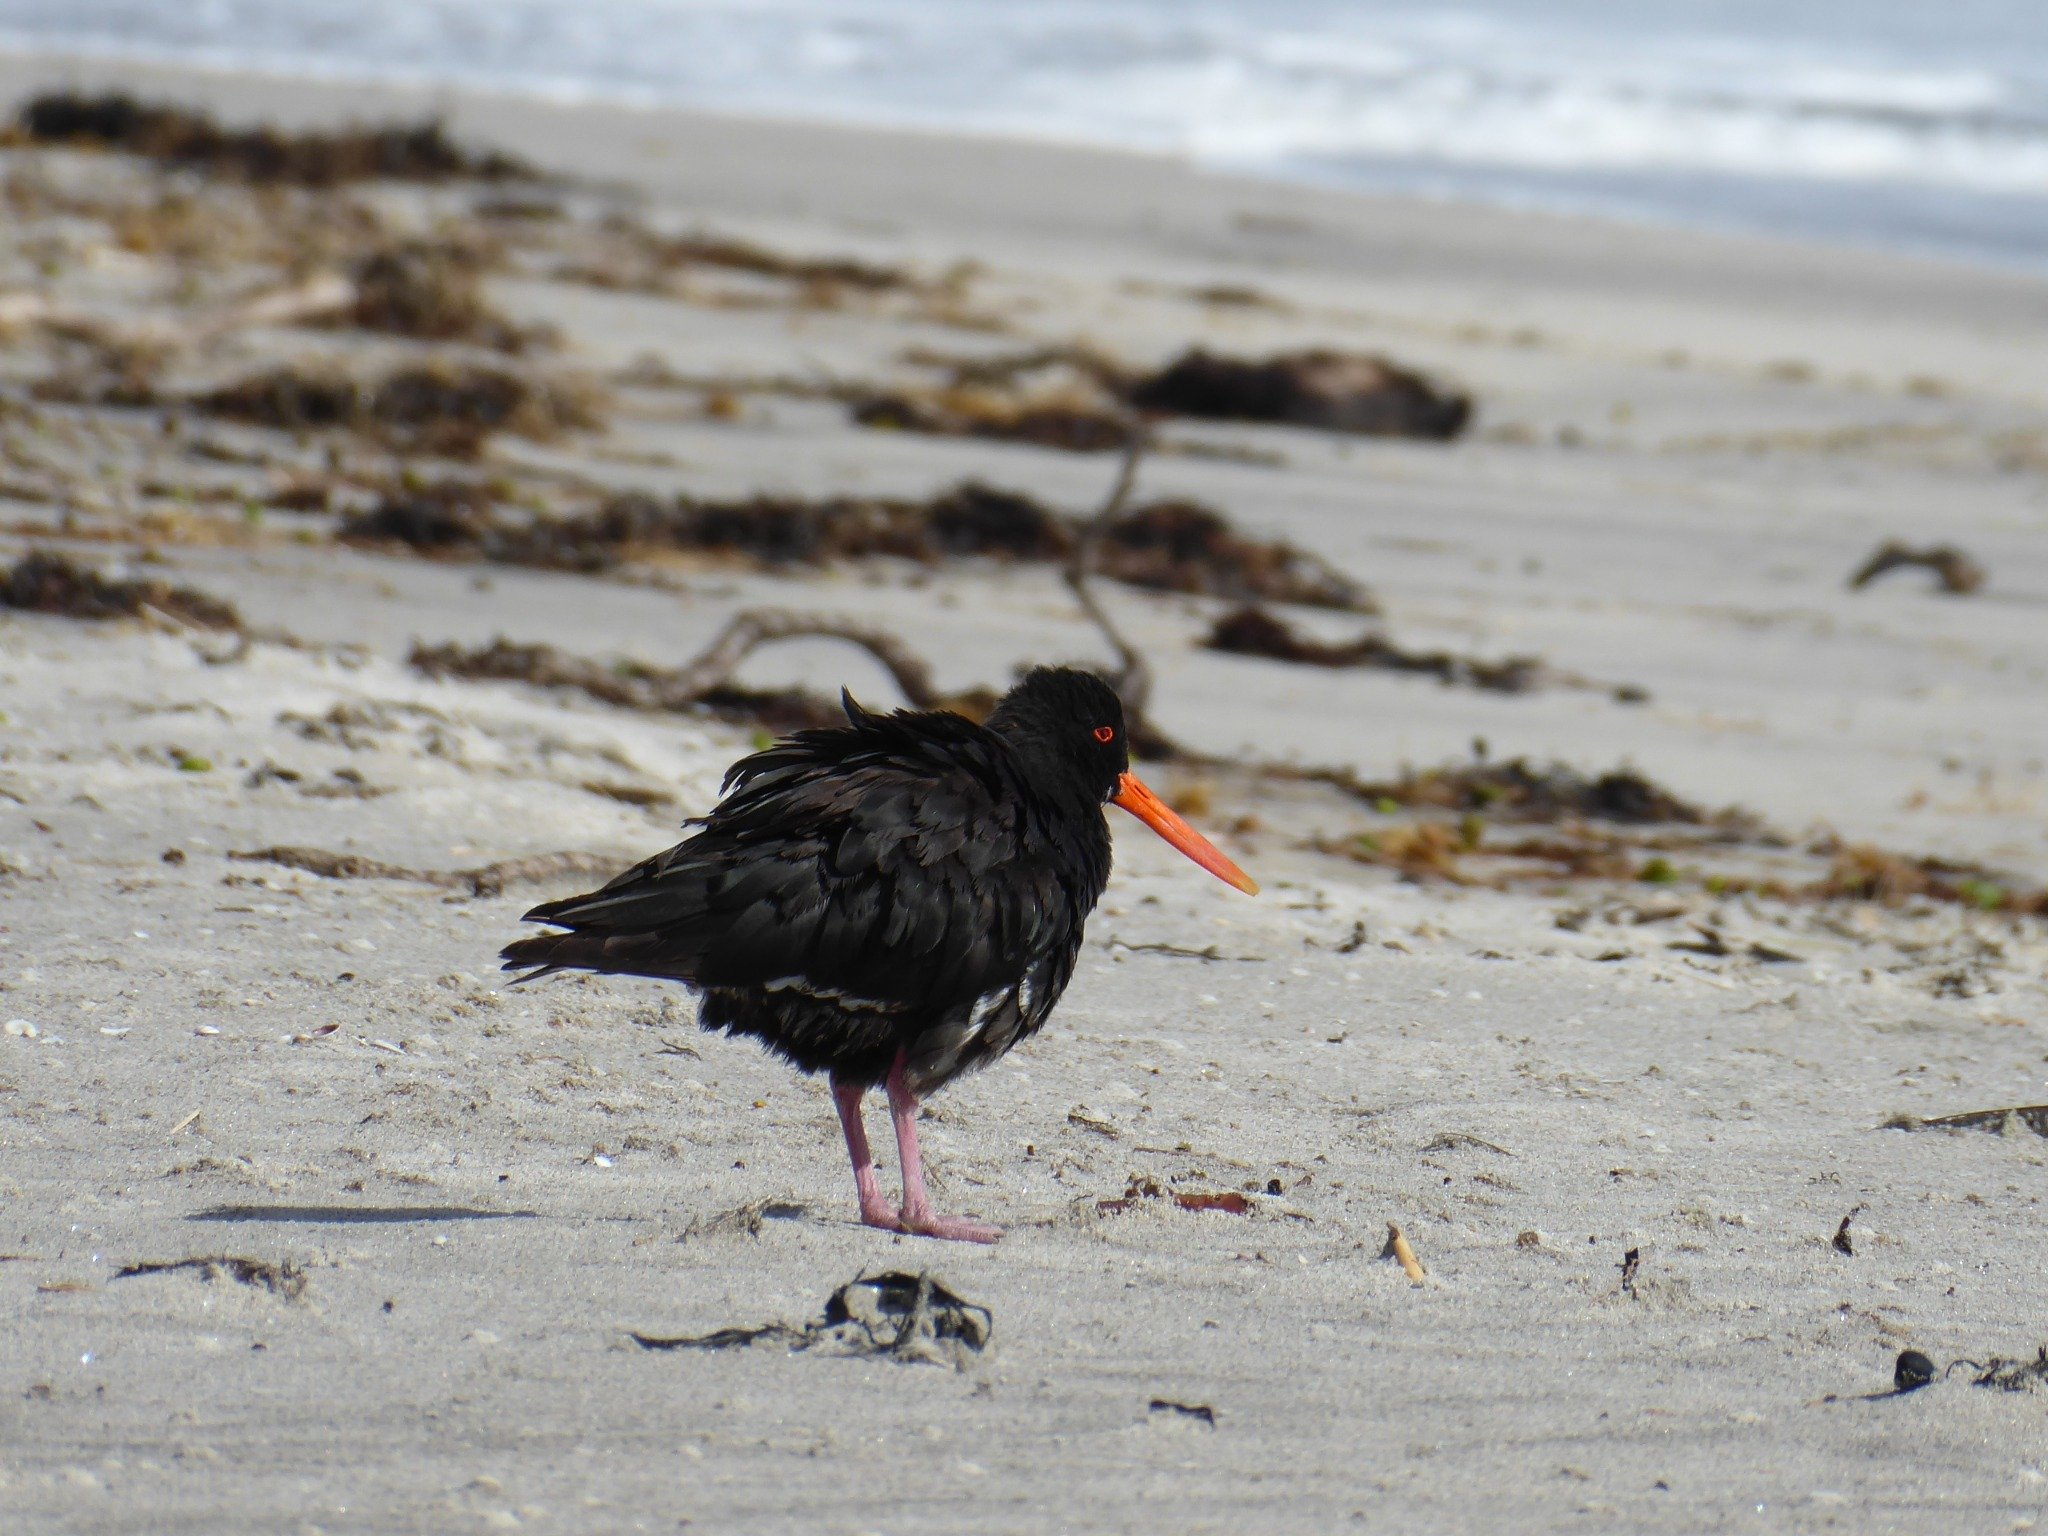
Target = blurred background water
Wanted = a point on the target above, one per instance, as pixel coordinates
(1897, 123)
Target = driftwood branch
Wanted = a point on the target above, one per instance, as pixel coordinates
(1956, 571)
(748, 631)
(1133, 679)
(702, 679)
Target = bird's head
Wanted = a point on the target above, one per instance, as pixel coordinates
(1068, 725)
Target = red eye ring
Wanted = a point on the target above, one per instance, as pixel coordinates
(1105, 733)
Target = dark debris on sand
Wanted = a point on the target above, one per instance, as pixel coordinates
(632, 256)
(455, 518)
(1954, 571)
(1182, 546)
(1865, 872)
(430, 290)
(1172, 546)
(437, 406)
(1080, 400)
(1622, 826)
(1604, 824)
(1914, 1371)
(188, 139)
(893, 1316)
(284, 1279)
(1997, 1122)
(1072, 426)
(1254, 631)
(1517, 790)
(744, 256)
(2008, 1375)
(1335, 391)
(41, 582)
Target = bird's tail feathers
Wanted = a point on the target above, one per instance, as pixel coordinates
(616, 954)
(551, 952)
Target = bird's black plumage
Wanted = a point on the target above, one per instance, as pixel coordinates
(906, 890)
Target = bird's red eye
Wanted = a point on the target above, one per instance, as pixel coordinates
(1105, 733)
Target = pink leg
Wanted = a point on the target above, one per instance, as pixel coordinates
(874, 1210)
(917, 1206)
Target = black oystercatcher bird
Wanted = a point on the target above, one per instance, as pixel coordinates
(897, 900)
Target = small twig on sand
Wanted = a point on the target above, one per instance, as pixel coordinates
(489, 880)
(1397, 1247)
(1179, 952)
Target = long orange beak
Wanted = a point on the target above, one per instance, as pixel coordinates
(1156, 814)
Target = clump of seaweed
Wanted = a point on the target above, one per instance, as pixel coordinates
(193, 140)
(745, 256)
(1865, 872)
(1465, 852)
(97, 367)
(1173, 546)
(1074, 425)
(431, 290)
(1622, 827)
(1426, 850)
(1517, 790)
(436, 406)
(1617, 825)
(1182, 546)
(629, 255)
(441, 517)
(42, 582)
(1336, 391)
(1080, 400)
(1256, 631)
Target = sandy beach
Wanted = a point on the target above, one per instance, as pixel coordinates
(1641, 1091)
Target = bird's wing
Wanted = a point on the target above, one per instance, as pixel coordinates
(874, 862)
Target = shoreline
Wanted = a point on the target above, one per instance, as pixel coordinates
(288, 95)
(1455, 184)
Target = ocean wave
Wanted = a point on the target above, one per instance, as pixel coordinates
(1862, 95)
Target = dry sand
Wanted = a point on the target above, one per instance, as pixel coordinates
(1685, 445)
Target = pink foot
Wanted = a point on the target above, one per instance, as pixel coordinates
(879, 1215)
(954, 1229)
(917, 1210)
(916, 1217)
(874, 1210)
